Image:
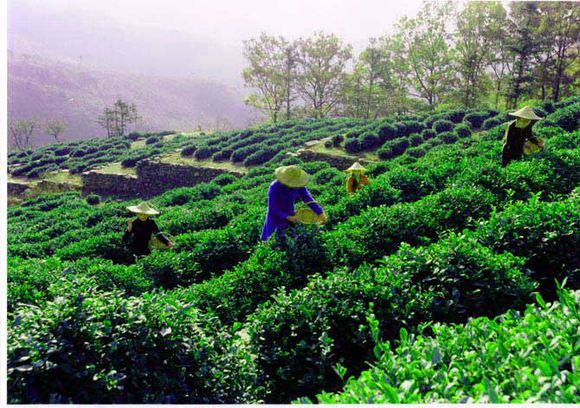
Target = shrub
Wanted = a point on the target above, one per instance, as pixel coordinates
(133, 136)
(151, 140)
(352, 146)
(368, 141)
(413, 126)
(354, 241)
(203, 153)
(222, 155)
(448, 137)
(337, 140)
(29, 279)
(240, 155)
(385, 153)
(78, 153)
(462, 130)
(443, 125)
(446, 356)
(399, 146)
(416, 152)
(224, 179)
(329, 176)
(188, 151)
(63, 151)
(93, 199)
(466, 278)
(415, 139)
(137, 350)
(106, 246)
(475, 119)
(546, 234)
(387, 132)
(168, 269)
(455, 116)
(213, 250)
(260, 157)
(328, 144)
(491, 122)
(428, 134)
(303, 335)
(568, 118)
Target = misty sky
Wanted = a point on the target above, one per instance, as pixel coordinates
(187, 37)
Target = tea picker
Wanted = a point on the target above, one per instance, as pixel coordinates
(289, 186)
(518, 137)
(144, 230)
(357, 179)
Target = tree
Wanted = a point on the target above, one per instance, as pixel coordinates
(272, 73)
(54, 128)
(353, 97)
(559, 32)
(474, 36)
(501, 63)
(371, 62)
(21, 132)
(117, 118)
(430, 56)
(524, 46)
(321, 72)
(394, 76)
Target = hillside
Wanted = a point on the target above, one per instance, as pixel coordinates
(442, 235)
(43, 88)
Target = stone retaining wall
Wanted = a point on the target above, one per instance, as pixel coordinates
(152, 179)
(156, 178)
(104, 184)
(17, 189)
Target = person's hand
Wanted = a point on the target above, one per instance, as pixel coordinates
(292, 218)
(129, 225)
(323, 217)
(170, 244)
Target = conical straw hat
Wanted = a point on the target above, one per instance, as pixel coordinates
(355, 167)
(143, 208)
(292, 176)
(527, 113)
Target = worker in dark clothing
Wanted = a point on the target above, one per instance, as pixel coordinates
(142, 229)
(517, 133)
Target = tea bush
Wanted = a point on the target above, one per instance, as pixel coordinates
(528, 359)
(99, 347)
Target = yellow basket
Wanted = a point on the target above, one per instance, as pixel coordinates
(534, 146)
(155, 243)
(307, 216)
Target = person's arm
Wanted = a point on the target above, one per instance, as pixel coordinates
(159, 235)
(364, 180)
(305, 196)
(128, 231)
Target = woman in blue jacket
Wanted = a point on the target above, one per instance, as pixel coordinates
(289, 186)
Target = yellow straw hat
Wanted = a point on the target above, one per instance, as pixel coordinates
(291, 176)
(143, 208)
(526, 112)
(356, 167)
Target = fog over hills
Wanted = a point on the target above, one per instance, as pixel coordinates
(180, 61)
(45, 89)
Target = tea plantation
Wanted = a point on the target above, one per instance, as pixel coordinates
(439, 282)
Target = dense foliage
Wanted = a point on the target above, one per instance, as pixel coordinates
(440, 237)
(79, 156)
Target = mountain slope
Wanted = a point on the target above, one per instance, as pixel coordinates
(47, 89)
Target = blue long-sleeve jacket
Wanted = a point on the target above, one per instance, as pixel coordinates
(281, 201)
